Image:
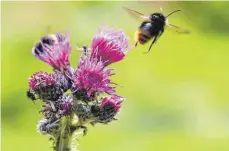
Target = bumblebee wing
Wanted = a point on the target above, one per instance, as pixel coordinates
(177, 29)
(137, 14)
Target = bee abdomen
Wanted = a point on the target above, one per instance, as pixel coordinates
(143, 38)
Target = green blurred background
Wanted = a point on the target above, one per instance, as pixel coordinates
(178, 94)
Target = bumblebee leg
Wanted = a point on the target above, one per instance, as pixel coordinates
(155, 40)
(136, 44)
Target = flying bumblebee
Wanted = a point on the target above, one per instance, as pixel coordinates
(153, 26)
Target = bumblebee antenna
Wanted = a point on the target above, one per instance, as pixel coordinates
(172, 13)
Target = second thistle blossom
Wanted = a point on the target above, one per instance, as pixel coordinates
(113, 102)
(48, 86)
(91, 77)
(108, 108)
(109, 45)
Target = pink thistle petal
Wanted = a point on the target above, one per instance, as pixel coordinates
(54, 50)
(113, 101)
(109, 45)
(91, 76)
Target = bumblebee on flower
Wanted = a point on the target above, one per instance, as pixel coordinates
(86, 83)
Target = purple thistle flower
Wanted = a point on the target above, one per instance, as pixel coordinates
(109, 108)
(54, 50)
(47, 86)
(113, 102)
(92, 77)
(41, 79)
(109, 45)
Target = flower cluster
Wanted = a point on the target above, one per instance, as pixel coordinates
(75, 97)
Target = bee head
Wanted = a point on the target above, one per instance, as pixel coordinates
(158, 17)
(52, 39)
(48, 40)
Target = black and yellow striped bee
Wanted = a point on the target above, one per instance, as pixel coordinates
(153, 26)
(48, 40)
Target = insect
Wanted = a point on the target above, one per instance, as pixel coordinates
(31, 95)
(153, 26)
(49, 40)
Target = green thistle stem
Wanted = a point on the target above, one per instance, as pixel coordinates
(65, 134)
(64, 138)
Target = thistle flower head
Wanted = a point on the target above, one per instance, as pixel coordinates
(41, 79)
(62, 80)
(45, 126)
(41, 126)
(47, 86)
(82, 110)
(109, 108)
(109, 45)
(54, 50)
(92, 77)
(113, 102)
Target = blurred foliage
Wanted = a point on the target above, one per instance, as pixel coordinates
(177, 94)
